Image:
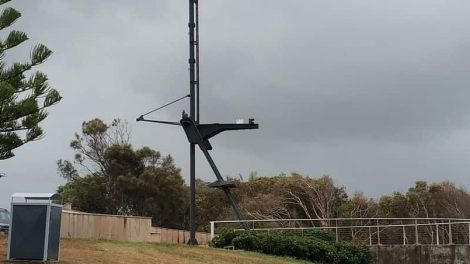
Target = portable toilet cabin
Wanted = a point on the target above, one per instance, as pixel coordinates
(35, 227)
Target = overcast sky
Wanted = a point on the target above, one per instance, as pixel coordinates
(374, 93)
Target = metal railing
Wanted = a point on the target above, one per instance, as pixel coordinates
(370, 231)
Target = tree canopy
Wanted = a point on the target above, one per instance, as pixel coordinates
(24, 96)
(117, 179)
(299, 196)
(108, 176)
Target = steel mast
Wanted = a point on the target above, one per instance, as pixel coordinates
(192, 116)
(199, 134)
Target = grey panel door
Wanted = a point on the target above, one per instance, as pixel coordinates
(27, 232)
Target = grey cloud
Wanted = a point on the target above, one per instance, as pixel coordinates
(372, 92)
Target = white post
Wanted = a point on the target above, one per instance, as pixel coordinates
(469, 233)
(437, 234)
(336, 230)
(450, 233)
(404, 236)
(212, 230)
(378, 232)
(416, 232)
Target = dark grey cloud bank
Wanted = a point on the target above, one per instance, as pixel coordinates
(374, 93)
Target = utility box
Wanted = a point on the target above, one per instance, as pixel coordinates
(35, 227)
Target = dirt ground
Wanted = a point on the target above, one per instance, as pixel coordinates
(98, 251)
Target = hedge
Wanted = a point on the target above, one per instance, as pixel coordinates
(315, 247)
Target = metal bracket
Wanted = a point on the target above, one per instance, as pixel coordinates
(200, 134)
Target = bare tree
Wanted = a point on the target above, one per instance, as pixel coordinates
(451, 201)
(316, 197)
(90, 146)
(266, 206)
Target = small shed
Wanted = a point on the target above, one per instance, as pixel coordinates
(35, 227)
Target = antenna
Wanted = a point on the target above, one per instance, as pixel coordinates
(199, 134)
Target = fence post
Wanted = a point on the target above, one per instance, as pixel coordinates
(450, 233)
(378, 233)
(469, 233)
(416, 232)
(370, 236)
(336, 230)
(404, 236)
(212, 230)
(437, 234)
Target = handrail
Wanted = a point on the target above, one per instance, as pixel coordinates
(336, 219)
(436, 231)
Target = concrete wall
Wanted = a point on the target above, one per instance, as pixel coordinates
(423, 254)
(125, 228)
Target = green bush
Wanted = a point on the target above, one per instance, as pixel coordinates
(352, 253)
(307, 247)
(247, 241)
(224, 238)
(317, 233)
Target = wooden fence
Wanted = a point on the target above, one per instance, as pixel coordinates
(126, 228)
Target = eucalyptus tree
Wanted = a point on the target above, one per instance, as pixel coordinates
(107, 175)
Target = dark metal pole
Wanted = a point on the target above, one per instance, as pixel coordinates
(192, 176)
(198, 84)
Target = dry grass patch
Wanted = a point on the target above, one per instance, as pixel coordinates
(98, 251)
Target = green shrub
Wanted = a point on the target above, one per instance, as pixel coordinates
(316, 233)
(309, 247)
(247, 241)
(349, 253)
(224, 238)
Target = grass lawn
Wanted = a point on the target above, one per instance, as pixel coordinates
(98, 251)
